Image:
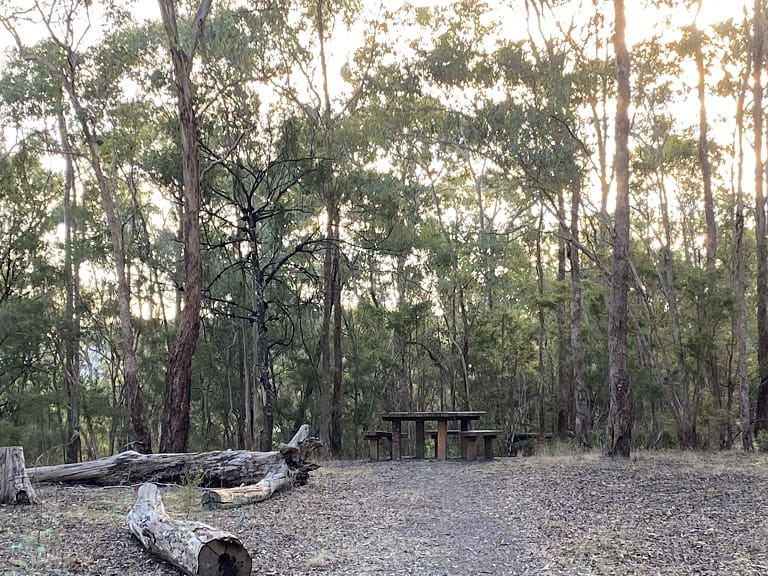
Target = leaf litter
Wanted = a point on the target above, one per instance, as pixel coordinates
(657, 514)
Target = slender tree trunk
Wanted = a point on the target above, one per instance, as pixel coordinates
(619, 428)
(325, 379)
(330, 330)
(761, 417)
(73, 449)
(564, 382)
(583, 411)
(541, 333)
(263, 384)
(178, 376)
(709, 312)
(686, 434)
(338, 374)
(740, 320)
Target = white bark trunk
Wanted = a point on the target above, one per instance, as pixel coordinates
(15, 486)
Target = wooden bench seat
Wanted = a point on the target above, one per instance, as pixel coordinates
(471, 436)
(373, 437)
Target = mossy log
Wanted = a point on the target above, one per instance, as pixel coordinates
(196, 548)
(15, 485)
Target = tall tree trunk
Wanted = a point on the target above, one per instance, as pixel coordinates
(761, 417)
(325, 379)
(262, 387)
(142, 440)
(541, 333)
(709, 312)
(73, 449)
(330, 330)
(740, 320)
(564, 382)
(178, 376)
(619, 427)
(338, 374)
(583, 411)
(686, 434)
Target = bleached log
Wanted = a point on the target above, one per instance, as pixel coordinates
(15, 485)
(196, 548)
(293, 471)
(221, 468)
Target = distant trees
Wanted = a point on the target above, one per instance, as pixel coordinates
(275, 226)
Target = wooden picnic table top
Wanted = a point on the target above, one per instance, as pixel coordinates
(434, 415)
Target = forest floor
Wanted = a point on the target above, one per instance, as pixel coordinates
(658, 513)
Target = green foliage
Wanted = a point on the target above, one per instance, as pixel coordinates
(189, 493)
(451, 149)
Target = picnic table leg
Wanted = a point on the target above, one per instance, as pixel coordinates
(463, 441)
(373, 448)
(420, 439)
(395, 439)
(442, 439)
(489, 447)
(470, 451)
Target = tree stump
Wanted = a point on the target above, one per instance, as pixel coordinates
(15, 487)
(196, 548)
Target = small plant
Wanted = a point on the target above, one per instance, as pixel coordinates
(189, 495)
(762, 440)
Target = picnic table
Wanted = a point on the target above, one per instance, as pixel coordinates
(441, 417)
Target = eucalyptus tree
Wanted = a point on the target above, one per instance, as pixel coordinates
(736, 65)
(698, 45)
(262, 200)
(761, 228)
(619, 426)
(71, 295)
(661, 151)
(324, 97)
(65, 60)
(178, 378)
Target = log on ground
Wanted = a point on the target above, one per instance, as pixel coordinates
(293, 471)
(196, 548)
(15, 486)
(217, 469)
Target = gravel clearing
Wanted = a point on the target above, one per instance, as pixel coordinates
(668, 513)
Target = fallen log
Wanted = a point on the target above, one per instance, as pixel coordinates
(294, 471)
(15, 486)
(216, 469)
(196, 548)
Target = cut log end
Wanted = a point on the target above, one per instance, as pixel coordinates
(225, 558)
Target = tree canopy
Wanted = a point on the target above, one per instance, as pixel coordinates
(222, 223)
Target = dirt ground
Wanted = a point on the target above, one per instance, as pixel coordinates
(670, 514)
